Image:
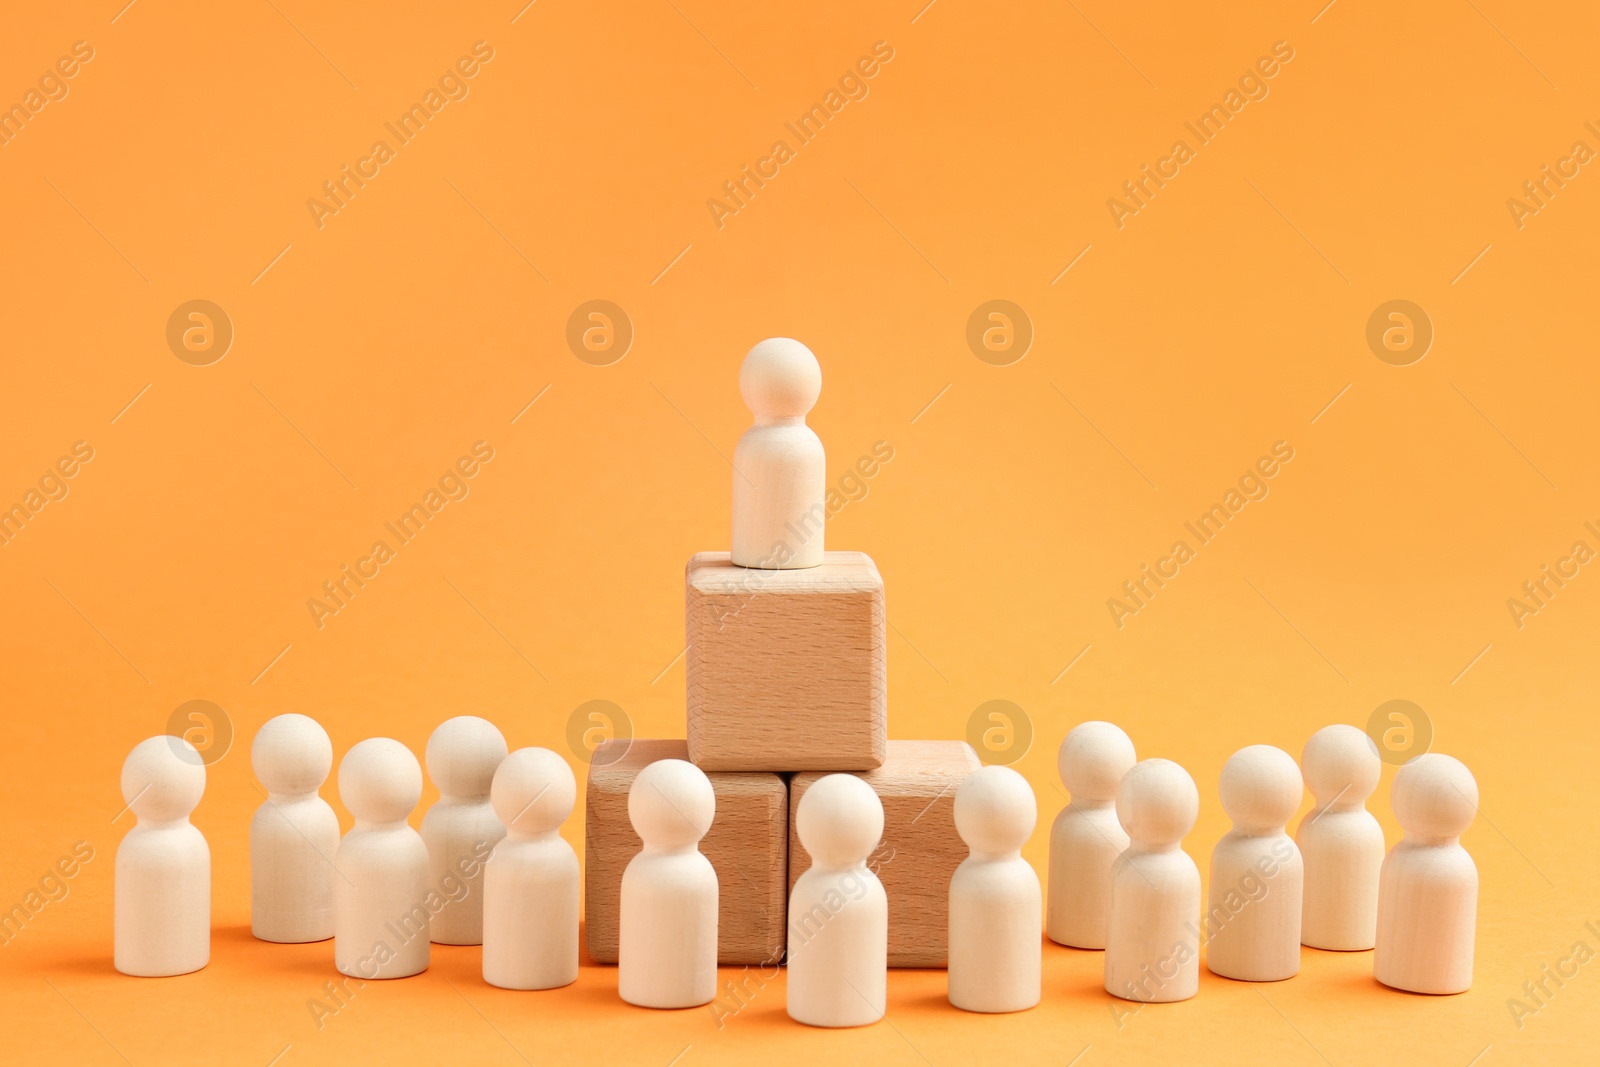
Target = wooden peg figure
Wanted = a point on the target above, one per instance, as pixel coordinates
(1152, 928)
(1340, 841)
(779, 468)
(667, 930)
(1428, 887)
(381, 918)
(162, 886)
(838, 912)
(530, 883)
(1257, 878)
(1086, 838)
(995, 901)
(294, 834)
(460, 828)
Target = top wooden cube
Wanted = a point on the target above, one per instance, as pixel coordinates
(787, 668)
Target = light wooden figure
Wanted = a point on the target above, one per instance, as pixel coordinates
(1086, 838)
(1152, 927)
(381, 917)
(667, 942)
(996, 905)
(779, 467)
(748, 846)
(1257, 877)
(838, 912)
(787, 669)
(920, 849)
(1340, 841)
(1428, 887)
(162, 887)
(294, 833)
(530, 882)
(460, 828)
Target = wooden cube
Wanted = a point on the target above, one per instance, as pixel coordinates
(920, 849)
(787, 668)
(747, 845)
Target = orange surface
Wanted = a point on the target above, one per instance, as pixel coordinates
(374, 345)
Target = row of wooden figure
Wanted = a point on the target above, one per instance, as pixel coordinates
(489, 866)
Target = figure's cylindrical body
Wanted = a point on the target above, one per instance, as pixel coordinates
(1085, 840)
(459, 834)
(1343, 853)
(779, 496)
(1152, 952)
(162, 900)
(380, 913)
(292, 843)
(1253, 919)
(667, 929)
(995, 952)
(1427, 918)
(530, 914)
(838, 947)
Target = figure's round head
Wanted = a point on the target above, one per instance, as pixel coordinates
(533, 791)
(163, 778)
(1092, 760)
(1157, 802)
(1341, 765)
(462, 754)
(840, 820)
(291, 754)
(995, 810)
(780, 379)
(380, 780)
(1434, 796)
(671, 804)
(1260, 787)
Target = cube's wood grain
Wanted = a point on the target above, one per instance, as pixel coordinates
(747, 845)
(786, 668)
(920, 848)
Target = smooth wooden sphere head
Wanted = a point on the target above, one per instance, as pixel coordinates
(995, 810)
(462, 755)
(1093, 758)
(533, 791)
(1260, 787)
(1157, 802)
(1434, 796)
(163, 778)
(780, 379)
(840, 820)
(291, 754)
(380, 780)
(1341, 765)
(671, 804)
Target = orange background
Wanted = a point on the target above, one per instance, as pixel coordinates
(426, 315)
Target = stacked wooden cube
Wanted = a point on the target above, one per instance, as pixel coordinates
(787, 682)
